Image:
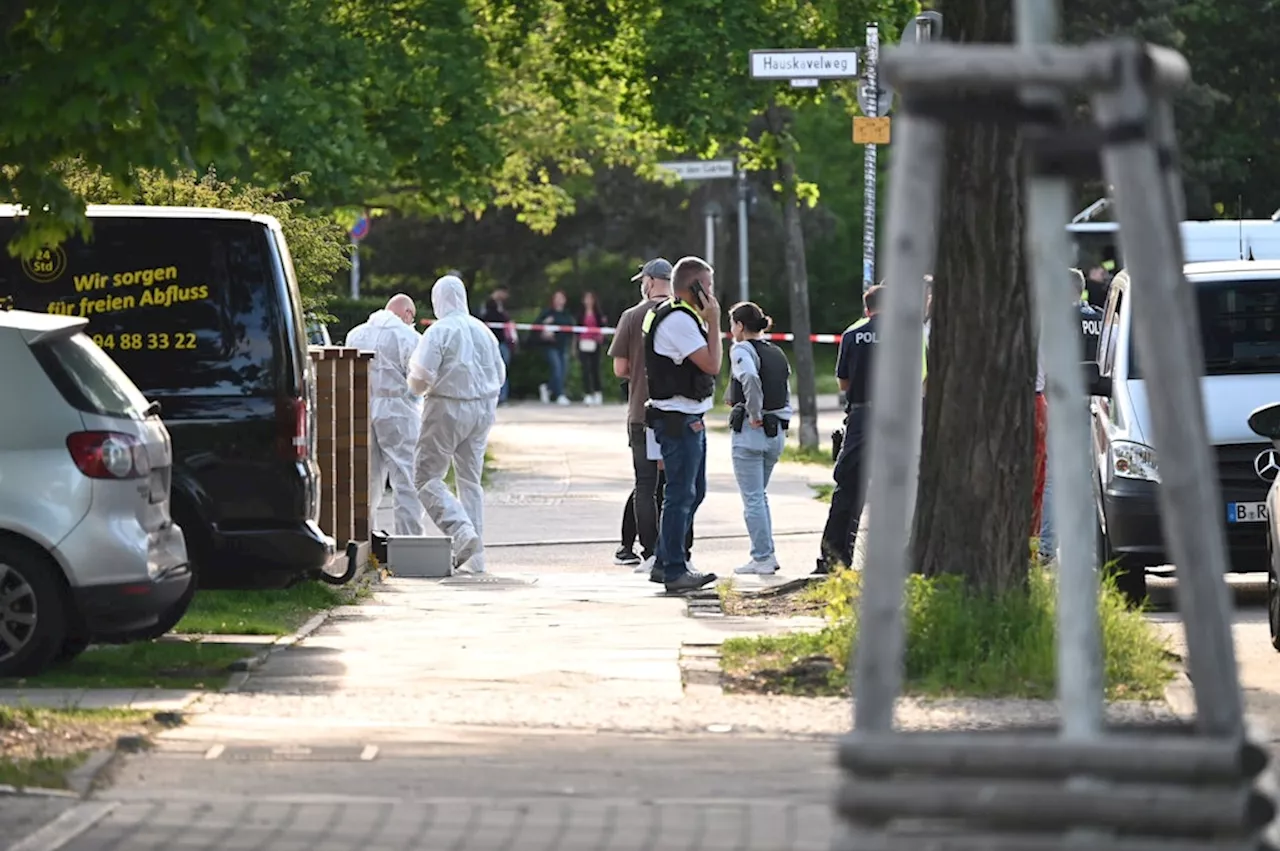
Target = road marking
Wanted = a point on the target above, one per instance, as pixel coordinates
(369, 752)
(214, 752)
(66, 827)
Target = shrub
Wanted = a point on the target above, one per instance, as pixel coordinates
(959, 642)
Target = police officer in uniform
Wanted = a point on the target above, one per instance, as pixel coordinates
(853, 371)
(1090, 318)
(682, 356)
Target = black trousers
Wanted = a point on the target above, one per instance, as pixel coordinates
(850, 476)
(640, 515)
(590, 371)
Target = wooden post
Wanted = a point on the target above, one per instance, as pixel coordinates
(360, 445)
(344, 524)
(325, 454)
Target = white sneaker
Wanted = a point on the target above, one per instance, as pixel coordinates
(767, 567)
(646, 565)
(599, 398)
(563, 400)
(544, 393)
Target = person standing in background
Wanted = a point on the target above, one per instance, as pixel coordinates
(853, 371)
(459, 370)
(590, 344)
(644, 505)
(556, 344)
(760, 393)
(682, 356)
(395, 414)
(495, 313)
(1090, 329)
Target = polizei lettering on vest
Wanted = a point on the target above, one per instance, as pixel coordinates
(865, 337)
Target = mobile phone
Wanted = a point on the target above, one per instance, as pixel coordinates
(699, 294)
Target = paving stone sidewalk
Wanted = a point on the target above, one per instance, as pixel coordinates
(284, 824)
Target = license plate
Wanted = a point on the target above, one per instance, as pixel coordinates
(1246, 512)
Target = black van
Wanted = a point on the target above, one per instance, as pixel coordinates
(200, 308)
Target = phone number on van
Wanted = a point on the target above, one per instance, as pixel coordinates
(143, 342)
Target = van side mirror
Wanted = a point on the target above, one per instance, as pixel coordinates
(1265, 421)
(1095, 382)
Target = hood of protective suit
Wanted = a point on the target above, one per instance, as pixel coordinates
(448, 296)
(458, 356)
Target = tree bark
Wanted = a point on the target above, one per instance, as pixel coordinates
(798, 286)
(973, 507)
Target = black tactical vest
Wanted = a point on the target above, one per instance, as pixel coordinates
(775, 375)
(666, 378)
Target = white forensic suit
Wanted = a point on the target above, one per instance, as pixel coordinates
(395, 415)
(458, 366)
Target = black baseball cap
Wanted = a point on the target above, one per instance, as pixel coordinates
(655, 268)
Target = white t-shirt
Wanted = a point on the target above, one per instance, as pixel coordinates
(677, 337)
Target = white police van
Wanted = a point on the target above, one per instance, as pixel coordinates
(1239, 318)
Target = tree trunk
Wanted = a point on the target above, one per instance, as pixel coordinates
(973, 507)
(798, 281)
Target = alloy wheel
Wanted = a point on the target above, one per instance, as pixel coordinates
(18, 612)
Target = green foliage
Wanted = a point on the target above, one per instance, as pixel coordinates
(120, 84)
(261, 612)
(317, 243)
(967, 644)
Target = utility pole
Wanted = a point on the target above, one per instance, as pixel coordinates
(871, 109)
(744, 271)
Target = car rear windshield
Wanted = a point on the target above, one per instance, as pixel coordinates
(1239, 327)
(88, 379)
(184, 305)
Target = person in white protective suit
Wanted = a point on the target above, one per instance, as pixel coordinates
(459, 368)
(395, 413)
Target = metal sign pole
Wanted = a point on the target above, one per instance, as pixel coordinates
(355, 268)
(744, 266)
(871, 110)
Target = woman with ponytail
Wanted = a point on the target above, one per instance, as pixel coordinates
(760, 392)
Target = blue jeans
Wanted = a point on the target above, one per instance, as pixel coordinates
(1048, 541)
(754, 455)
(683, 439)
(557, 360)
(505, 350)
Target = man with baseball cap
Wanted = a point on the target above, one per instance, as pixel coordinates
(627, 352)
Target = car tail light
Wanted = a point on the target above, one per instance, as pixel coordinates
(108, 455)
(295, 439)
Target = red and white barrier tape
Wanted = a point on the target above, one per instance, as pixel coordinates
(583, 329)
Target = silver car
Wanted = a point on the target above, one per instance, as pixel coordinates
(88, 549)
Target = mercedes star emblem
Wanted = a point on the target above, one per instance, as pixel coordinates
(1267, 465)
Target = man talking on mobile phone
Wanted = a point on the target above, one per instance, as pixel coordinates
(682, 356)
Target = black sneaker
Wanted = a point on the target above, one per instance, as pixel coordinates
(625, 557)
(689, 582)
(823, 568)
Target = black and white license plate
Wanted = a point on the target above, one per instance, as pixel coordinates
(1246, 512)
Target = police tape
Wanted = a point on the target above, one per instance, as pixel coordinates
(585, 329)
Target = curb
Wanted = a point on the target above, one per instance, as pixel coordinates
(708, 603)
(1179, 696)
(242, 668)
(700, 668)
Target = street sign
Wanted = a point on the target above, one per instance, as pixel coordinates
(699, 169)
(935, 27)
(361, 229)
(804, 84)
(808, 64)
(884, 102)
(870, 131)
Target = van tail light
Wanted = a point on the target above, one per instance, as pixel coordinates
(295, 438)
(109, 455)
